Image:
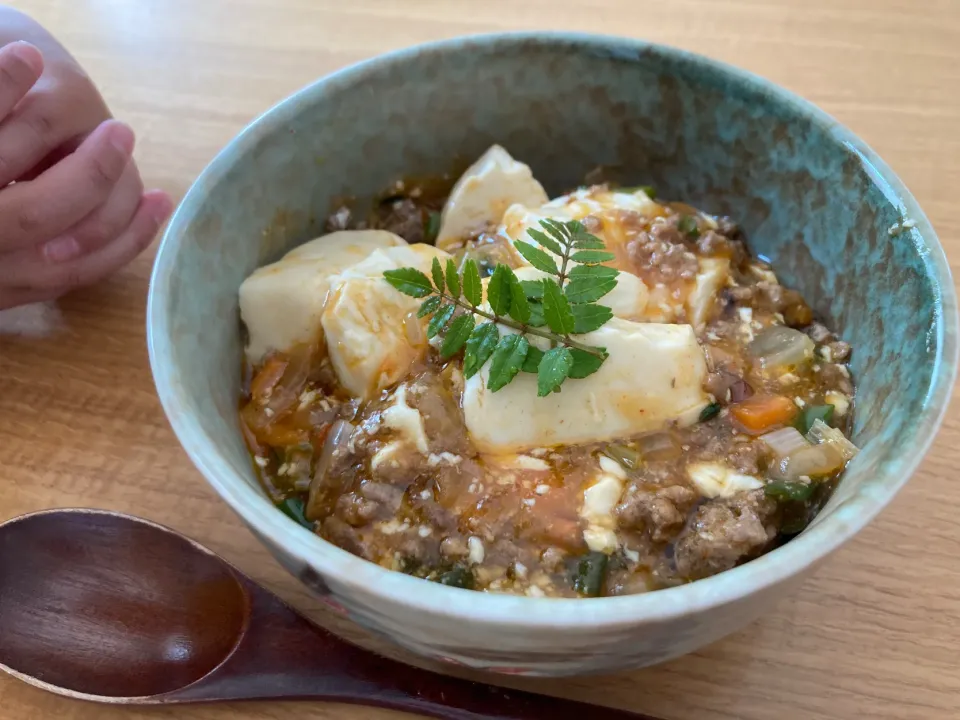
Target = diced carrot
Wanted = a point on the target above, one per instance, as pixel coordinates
(761, 412)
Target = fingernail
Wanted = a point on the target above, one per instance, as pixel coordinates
(61, 249)
(163, 208)
(122, 138)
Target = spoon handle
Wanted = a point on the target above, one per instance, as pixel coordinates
(282, 655)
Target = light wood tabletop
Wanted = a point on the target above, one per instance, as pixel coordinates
(875, 633)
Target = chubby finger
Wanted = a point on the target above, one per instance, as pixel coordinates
(110, 219)
(47, 273)
(39, 210)
(21, 65)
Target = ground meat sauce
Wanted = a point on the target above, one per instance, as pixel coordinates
(453, 516)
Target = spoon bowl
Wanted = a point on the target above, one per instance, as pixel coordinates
(111, 608)
(99, 605)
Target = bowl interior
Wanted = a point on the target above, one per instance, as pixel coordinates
(810, 196)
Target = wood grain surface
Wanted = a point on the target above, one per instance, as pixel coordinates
(875, 634)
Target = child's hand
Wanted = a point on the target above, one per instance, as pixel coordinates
(75, 211)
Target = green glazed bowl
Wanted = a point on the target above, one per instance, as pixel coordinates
(832, 218)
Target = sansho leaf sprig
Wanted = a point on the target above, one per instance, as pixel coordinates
(554, 308)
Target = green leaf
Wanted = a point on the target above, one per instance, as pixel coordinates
(557, 229)
(583, 290)
(574, 227)
(439, 320)
(590, 282)
(592, 256)
(437, 272)
(537, 257)
(500, 290)
(453, 279)
(480, 345)
(506, 361)
(585, 364)
(709, 411)
(553, 370)
(457, 335)
(520, 307)
(811, 413)
(586, 241)
(688, 226)
(409, 281)
(556, 309)
(432, 229)
(533, 289)
(429, 305)
(548, 242)
(532, 362)
(536, 315)
(589, 317)
(592, 271)
(472, 289)
(788, 490)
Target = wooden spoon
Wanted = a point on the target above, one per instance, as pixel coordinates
(111, 608)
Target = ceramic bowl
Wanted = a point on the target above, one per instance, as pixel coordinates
(832, 218)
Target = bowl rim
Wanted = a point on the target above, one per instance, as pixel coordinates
(360, 577)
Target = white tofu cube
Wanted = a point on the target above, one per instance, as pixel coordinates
(281, 303)
(484, 192)
(654, 375)
(365, 321)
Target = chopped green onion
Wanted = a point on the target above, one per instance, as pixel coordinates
(432, 229)
(590, 574)
(710, 411)
(788, 490)
(688, 226)
(293, 508)
(811, 413)
(459, 576)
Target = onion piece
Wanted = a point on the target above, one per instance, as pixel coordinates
(779, 346)
(785, 441)
(267, 377)
(823, 434)
(812, 461)
(658, 446)
(337, 439)
(828, 454)
(740, 391)
(284, 394)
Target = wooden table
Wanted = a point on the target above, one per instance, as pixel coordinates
(875, 634)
